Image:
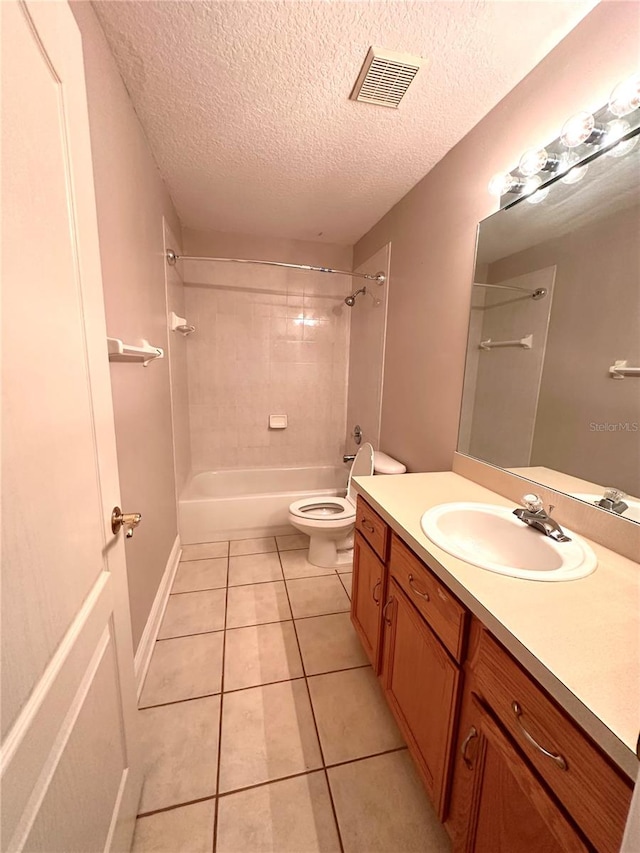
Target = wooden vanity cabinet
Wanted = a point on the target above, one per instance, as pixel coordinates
(522, 762)
(506, 768)
(421, 684)
(498, 803)
(367, 595)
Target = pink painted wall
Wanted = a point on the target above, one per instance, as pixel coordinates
(131, 201)
(433, 231)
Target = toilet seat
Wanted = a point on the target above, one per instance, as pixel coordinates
(324, 509)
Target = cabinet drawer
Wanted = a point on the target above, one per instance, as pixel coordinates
(442, 611)
(593, 792)
(373, 528)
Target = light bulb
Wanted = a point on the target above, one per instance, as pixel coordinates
(536, 160)
(531, 185)
(538, 196)
(502, 183)
(622, 148)
(578, 129)
(615, 130)
(625, 98)
(574, 175)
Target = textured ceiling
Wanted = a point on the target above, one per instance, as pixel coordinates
(246, 102)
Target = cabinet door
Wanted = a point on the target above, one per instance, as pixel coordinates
(366, 595)
(421, 686)
(498, 803)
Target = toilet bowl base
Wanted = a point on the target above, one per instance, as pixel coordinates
(327, 553)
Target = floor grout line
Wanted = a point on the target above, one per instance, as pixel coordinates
(179, 701)
(224, 649)
(305, 676)
(245, 788)
(315, 724)
(175, 806)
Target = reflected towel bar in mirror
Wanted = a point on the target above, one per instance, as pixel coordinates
(619, 370)
(523, 343)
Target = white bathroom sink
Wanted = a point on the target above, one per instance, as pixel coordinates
(492, 538)
(632, 513)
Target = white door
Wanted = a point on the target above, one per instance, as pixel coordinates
(70, 771)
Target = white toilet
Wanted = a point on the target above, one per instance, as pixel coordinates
(329, 521)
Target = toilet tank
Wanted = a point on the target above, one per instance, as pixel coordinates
(384, 464)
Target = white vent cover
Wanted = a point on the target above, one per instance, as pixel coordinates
(385, 77)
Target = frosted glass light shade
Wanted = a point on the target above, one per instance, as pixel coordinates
(533, 161)
(625, 98)
(574, 175)
(577, 129)
(538, 196)
(502, 183)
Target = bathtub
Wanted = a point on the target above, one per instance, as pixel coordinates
(250, 502)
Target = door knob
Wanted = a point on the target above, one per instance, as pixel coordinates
(128, 520)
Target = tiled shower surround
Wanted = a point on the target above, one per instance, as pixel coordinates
(261, 352)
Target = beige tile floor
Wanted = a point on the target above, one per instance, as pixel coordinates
(263, 726)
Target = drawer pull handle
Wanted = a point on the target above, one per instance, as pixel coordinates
(373, 592)
(473, 733)
(424, 595)
(559, 760)
(368, 526)
(384, 612)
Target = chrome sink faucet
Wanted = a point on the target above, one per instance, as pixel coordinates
(613, 500)
(535, 515)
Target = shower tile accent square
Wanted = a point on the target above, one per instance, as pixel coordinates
(198, 575)
(257, 604)
(193, 613)
(180, 752)
(261, 654)
(328, 643)
(291, 815)
(205, 551)
(254, 568)
(352, 716)
(381, 806)
(252, 546)
(267, 733)
(296, 565)
(317, 596)
(184, 668)
(187, 828)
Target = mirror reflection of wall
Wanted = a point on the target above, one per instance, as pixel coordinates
(555, 410)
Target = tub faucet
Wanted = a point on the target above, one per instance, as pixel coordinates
(535, 515)
(348, 457)
(612, 499)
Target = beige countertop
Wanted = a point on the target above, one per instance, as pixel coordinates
(580, 639)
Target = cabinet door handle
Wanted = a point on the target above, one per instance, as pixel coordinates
(373, 592)
(367, 526)
(559, 760)
(424, 595)
(384, 612)
(473, 733)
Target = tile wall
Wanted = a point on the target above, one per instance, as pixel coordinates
(268, 341)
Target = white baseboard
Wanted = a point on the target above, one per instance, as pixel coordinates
(147, 641)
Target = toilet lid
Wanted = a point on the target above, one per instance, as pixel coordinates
(362, 467)
(323, 509)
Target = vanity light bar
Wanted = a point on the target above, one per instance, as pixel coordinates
(612, 129)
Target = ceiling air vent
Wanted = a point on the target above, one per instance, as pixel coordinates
(385, 77)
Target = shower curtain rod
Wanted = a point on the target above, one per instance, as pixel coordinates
(172, 257)
(534, 294)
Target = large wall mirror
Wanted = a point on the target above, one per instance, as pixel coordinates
(555, 306)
